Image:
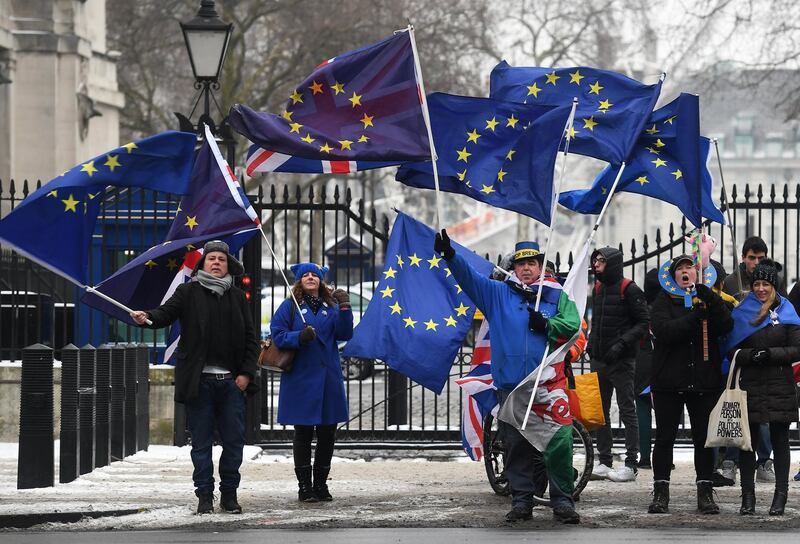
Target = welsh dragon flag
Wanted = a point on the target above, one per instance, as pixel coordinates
(550, 409)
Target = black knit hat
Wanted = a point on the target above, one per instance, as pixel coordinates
(767, 271)
(235, 268)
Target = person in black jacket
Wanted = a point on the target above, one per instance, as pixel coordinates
(216, 361)
(620, 320)
(764, 343)
(683, 376)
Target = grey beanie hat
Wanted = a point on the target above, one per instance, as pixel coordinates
(235, 268)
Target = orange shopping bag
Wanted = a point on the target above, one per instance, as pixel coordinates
(585, 404)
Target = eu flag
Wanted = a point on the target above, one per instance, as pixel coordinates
(214, 208)
(418, 317)
(362, 105)
(611, 111)
(668, 163)
(54, 225)
(500, 153)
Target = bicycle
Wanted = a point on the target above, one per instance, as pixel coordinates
(494, 457)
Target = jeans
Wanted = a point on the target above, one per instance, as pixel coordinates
(526, 470)
(618, 375)
(763, 446)
(668, 407)
(220, 403)
(779, 434)
(301, 445)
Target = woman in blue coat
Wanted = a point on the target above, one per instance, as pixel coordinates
(312, 396)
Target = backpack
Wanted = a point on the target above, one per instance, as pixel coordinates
(622, 286)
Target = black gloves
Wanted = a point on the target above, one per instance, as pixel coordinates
(341, 297)
(700, 312)
(759, 357)
(307, 335)
(536, 321)
(704, 292)
(614, 352)
(441, 244)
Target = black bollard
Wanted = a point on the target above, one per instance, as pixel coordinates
(35, 458)
(86, 423)
(117, 408)
(397, 400)
(142, 397)
(68, 456)
(252, 429)
(102, 410)
(131, 352)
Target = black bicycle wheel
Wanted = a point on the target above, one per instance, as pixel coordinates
(494, 457)
(582, 462)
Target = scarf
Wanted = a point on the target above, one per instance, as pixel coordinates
(217, 285)
(315, 303)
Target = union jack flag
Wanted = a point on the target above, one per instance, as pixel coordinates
(260, 160)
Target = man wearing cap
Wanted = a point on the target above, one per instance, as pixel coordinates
(519, 337)
(215, 363)
(620, 320)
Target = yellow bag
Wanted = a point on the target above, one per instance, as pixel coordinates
(585, 403)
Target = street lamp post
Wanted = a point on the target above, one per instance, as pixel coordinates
(207, 38)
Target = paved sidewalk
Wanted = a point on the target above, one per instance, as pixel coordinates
(438, 490)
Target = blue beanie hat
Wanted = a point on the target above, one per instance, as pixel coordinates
(299, 270)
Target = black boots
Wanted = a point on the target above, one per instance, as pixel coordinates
(748, 502)
(205, 502)
(305, 491)
(228, 502)
(778, 503)
(321, 483)
(518, 513)
(660, 504)
(705, 498)
(566, 513)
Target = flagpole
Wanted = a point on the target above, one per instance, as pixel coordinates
(589, 241)
(107, 298)
(278, 262)
(730, 220)
(426, 116)
(554, 203)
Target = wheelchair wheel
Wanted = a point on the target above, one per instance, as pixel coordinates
(494, 457)
(582, 462)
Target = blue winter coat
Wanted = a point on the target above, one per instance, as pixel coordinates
(312, 393)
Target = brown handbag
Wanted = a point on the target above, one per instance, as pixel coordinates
(274, 358)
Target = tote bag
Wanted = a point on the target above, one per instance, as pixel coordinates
(585, 403)
(728, 424)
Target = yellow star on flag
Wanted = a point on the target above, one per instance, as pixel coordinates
(387, 292)
(54, 194)
(488, 189)
(130, 147)
(491, 123)
(510, 154)
(534, 90)
(501, 174)
(316, 88)
(642, 180)
(461, 175)
(88, 168)
(355, 100)
(172, 264)
(652, 130)
(409, 322)
(70, 203)
(191, 222)
(395, 308)
(571, 132)
(450, 321)
(463, 155)
(287, 115)
(112, 162)
(653, 151)
(295, 127)
(346, 144)
(325, 148)
(473, 136)
(434, 262)
(512, 121)
(447, 273)
(390, 273)
(414, 259)
(678, 174)
(363, 139)
(659, 143)
(338, 88)
(458, 289)
(430, 325)
(400, 261)
(461, 310)
(367, 120)
(576, 77)
(590, 123)
(595, 88)
(659, 162)
(151, 264)
(552, 77)
(604, 105)
(669, 120)
(296, 97)
(308, 139)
